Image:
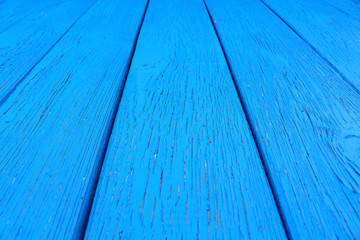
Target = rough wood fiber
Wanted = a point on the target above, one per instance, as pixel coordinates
(181, 162)
(305, 118)
(54, 126)
(14, 11)
(351, 8)
(11, 11)
(25, 43)
(331, 27)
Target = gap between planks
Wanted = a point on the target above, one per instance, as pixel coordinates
(251, 126)
(312, 47)
(85, 206)
(110, 130)
(43, 56)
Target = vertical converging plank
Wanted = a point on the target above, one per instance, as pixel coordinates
(306, 119)
(25, 42)
(330, 26)
(181, 161)
(55, 126)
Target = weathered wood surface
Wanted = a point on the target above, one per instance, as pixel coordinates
(55, 125)
(181, 162)
(332, 27)
(351, 8)
(27, 41)
(306, 119)
(14, 11)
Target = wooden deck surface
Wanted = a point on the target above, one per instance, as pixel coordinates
(181, 119)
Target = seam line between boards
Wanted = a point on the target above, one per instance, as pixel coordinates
(43, 56)
(9, 27)
(261, 155)
(312, 47)
(108, 136)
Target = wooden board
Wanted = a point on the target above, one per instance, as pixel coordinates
(55, 126)
(25, 43)
(12, 11)
(181, 162)
(305, 117)
(15, 11)
(332, 28)
(351, 8)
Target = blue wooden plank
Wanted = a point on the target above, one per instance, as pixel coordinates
(14, 11)
(181, 162)
(330, 27)
(26, 42)
(55, 126)
(351, 8)
(305, 117)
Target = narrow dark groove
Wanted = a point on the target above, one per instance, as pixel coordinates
(313, 48)
(82, 221)
(266, 167)
(37, 62)
(4, 30)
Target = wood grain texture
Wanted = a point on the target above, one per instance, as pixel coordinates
(15, 11)
(332, 27)
(181, 162)
(351, 8)
(12, 11)
(305, 118)
(54, 126)
(27, 41)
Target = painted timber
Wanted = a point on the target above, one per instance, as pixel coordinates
(55, 126)
(305, 117)
(15, 11)
(27, 41)
(331, 27)
(181, 162)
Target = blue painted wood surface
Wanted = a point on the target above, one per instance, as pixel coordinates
(13, 12)
(24, 43)
(55, 125)
(332, 27)
(181, 162)
(272, 151)
(305, 118)
(350, 8)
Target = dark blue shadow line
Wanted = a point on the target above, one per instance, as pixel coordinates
(83, 219)
(266, 167)
(313, 48)
(37, 62)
